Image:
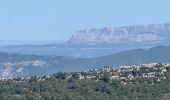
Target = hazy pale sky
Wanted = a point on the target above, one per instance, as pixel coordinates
(58, 19)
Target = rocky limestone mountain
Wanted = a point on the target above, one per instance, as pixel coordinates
(125, 34)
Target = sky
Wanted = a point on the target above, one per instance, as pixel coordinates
(42, 20)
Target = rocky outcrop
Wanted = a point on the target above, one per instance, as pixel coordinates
(126, 34)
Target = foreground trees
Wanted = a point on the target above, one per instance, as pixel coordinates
(132, 83)
(84, 90)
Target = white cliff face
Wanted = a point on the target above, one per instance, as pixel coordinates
(12, 70)
(6, 73)
(127, 34)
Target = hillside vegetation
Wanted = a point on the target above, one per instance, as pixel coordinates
(143, 82)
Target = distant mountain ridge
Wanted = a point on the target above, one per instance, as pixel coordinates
(125, 34)
(99, 42)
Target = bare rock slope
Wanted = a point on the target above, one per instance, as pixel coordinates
(125, 34)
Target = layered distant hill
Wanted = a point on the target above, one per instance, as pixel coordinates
(89, 49)
(125, 34)
(14, 65)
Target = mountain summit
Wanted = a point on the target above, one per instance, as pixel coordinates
(124, 34)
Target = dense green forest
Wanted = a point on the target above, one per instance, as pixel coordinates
(66, 86)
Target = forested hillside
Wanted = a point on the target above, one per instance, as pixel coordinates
(143, 82)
